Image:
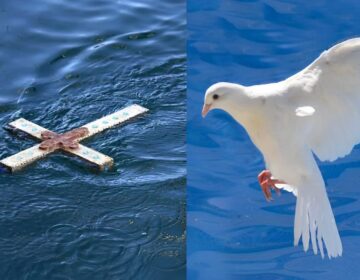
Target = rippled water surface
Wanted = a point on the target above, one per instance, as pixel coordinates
(65, 63)
(233, 233)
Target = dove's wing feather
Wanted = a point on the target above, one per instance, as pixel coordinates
(314, 219)
(331, 84)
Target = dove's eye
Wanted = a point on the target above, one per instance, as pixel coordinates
(215, 96)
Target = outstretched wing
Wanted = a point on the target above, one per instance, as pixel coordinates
(331, 85)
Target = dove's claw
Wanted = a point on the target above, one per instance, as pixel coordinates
(267, 183)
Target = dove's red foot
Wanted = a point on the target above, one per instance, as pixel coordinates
(267, 183)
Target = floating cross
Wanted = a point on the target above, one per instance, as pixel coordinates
(69, 141)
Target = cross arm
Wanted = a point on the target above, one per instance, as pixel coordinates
(23, 158)
(114, 119)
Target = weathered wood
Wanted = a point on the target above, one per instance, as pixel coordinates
(28, 156)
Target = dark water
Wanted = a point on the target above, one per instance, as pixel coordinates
(233, 233)
(63, 64)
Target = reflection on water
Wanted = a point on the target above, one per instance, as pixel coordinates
(232, 230)
(63, 64)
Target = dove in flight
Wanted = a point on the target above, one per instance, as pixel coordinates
(317, 110)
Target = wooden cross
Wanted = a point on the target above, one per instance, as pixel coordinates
(69, 141)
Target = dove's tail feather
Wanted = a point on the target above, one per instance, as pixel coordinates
(314, 220)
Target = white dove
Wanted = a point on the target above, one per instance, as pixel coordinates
(316, 111)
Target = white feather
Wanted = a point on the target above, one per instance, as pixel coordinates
(304, 111)
(332, 86)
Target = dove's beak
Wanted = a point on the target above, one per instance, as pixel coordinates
(205, 110)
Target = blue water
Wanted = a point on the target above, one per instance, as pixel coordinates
(65, 63)
(233, 233)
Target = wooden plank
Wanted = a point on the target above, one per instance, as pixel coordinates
(24, 158)
(93, 127)
(114, 119)
(92, 156)
(29, 127)
(28, 156)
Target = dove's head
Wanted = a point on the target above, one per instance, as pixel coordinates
(224, 96)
